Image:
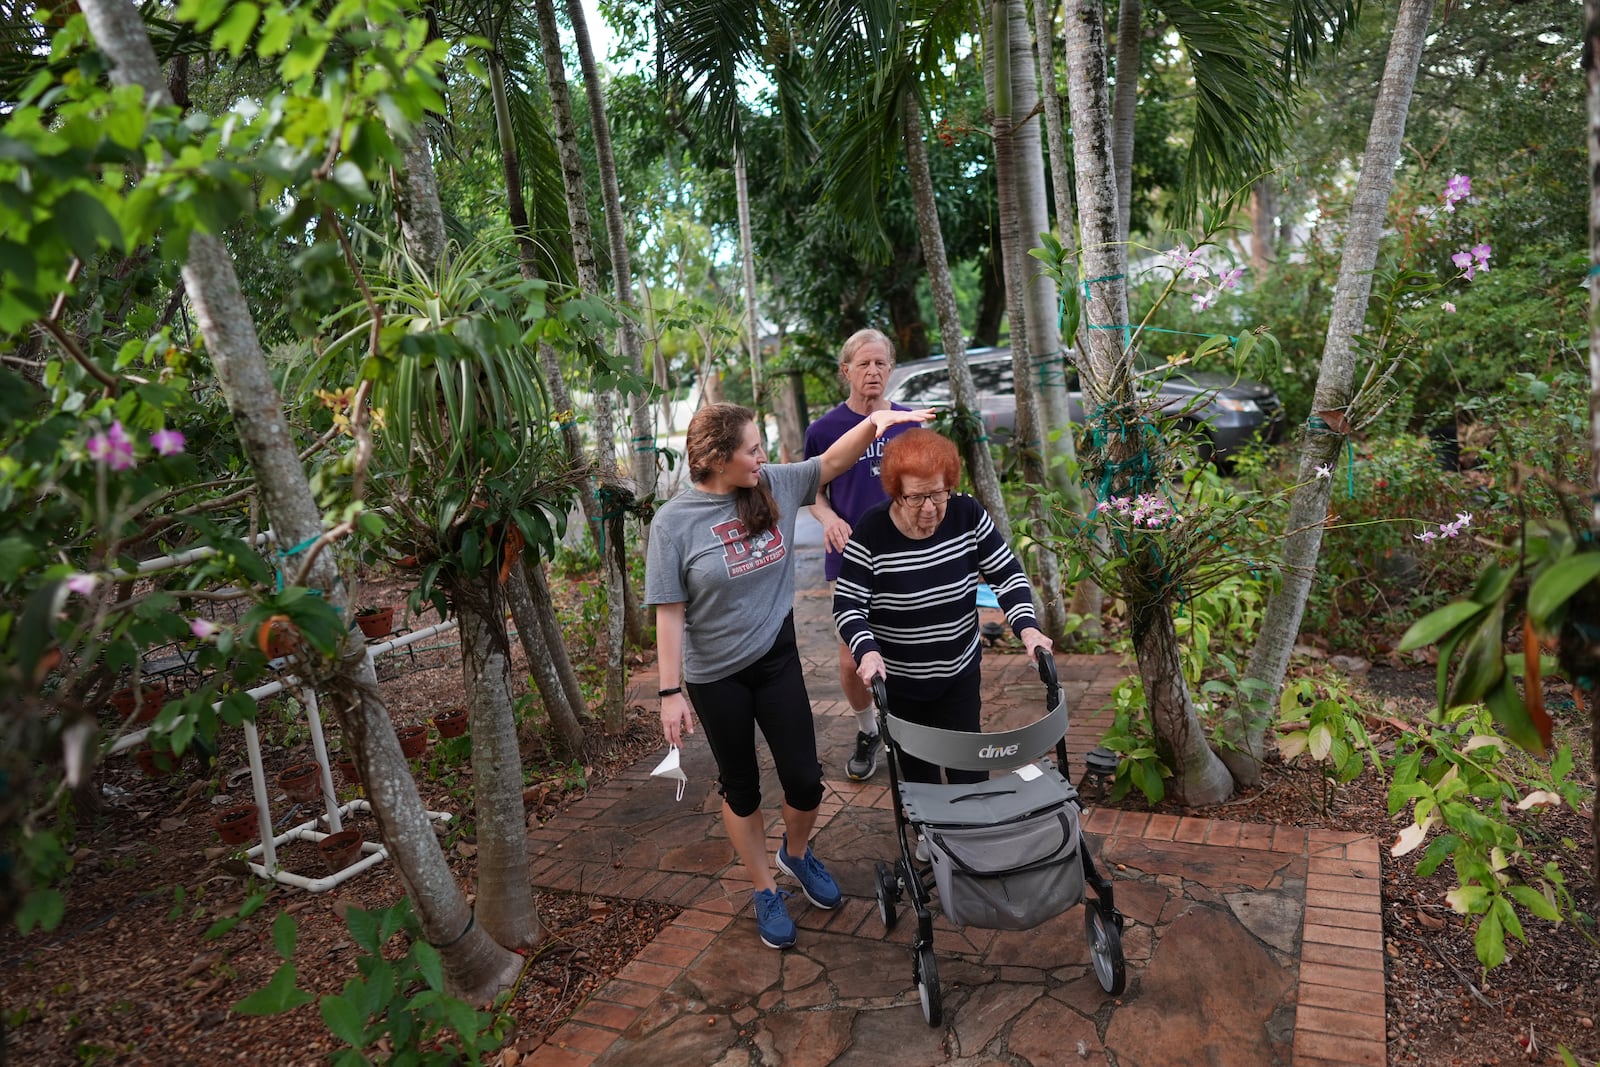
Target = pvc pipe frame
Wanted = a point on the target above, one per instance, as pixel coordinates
(266, 850)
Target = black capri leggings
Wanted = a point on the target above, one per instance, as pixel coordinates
(771, 694)
(959, 708)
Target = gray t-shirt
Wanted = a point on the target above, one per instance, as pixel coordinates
(737, 590)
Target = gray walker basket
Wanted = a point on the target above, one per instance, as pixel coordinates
(1005, 854)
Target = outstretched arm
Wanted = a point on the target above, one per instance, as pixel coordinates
(843, 453)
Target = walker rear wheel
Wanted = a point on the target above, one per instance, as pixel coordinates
(1105, 950)
(887, 892)
(928, 986)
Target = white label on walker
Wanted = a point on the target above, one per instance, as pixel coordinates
(1028, 772)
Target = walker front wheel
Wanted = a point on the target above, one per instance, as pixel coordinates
(888, 892)
(1105, 950)
(928, 986)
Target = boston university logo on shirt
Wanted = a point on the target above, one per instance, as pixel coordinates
(744, 554)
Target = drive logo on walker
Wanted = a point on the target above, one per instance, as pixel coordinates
(743, 553)
(997, 752)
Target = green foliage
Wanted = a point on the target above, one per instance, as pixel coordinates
(1131, 737)
(1476, 803)
(396, 1009)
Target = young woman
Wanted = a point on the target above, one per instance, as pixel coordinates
(720, 571)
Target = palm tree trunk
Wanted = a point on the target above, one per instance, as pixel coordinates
(1335, 382)
(1199, 777)
(963, 392)
(1088, 599)
(505, 905)
(604, 429)
(542, 662)
(1123, 106)
(1591, 70)
(641, 415)
(476, 967)
(1015, 152)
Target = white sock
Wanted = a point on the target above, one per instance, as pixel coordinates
(867, 720)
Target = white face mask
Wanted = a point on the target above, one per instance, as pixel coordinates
(669, 768)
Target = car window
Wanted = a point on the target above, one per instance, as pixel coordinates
(993, 379)
(926, 387)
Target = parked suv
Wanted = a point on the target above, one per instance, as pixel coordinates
(1229, 411)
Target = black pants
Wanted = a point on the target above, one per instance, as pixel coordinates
(958, 708)
(770, 694)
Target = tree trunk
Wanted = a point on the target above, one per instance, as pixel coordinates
(604, 429)
(1123, 106)
(1088, 599)
(545, 611)
(1021, 204)
(542, 658)
(1263, 230)
(747, 261)
(1335, 382)
(963, 392)
(1591, 70)
(476, 967)
(1198, 775)
(505, 905)
(641, 416)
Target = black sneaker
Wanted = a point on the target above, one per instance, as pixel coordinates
(861, 766)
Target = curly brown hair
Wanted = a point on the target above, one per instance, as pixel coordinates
(714, 434)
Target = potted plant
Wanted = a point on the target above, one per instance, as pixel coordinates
(349, 773)
(375, 621)
(237, 824)
(451, 722)
(156, 763)
(340, 850)
(302, 781)
(141, 705)
(413, 740)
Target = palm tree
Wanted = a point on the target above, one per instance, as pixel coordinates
(1336, 376)
(476, 966)
(607, 519)
(1198, 776)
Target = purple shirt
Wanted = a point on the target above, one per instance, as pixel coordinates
(859, 489)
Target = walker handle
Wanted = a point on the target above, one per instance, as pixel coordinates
(1047, 669)
(880, 693)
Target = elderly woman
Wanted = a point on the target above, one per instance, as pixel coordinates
(720, 570)
(906, 600)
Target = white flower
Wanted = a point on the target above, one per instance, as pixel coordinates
(1324, 471)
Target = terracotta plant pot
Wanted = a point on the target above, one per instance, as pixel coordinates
(127, 705)
(451, 722)
(413, 740)
(340, 850)
(302, 781)
(375, 623)
(348, 772)
(156, 763)
(237, 824)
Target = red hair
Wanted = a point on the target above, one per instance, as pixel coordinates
(920, 454)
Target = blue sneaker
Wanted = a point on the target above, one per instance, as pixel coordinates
(772, 918)
(814, 879)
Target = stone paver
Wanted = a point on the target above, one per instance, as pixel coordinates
(1244, 944)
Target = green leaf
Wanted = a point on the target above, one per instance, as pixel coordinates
(1435, 624)
(283, 935)
(1490, 941)
(1506, 705)
(345, 1020)
(348, 176)
(279, 995)
(234, 31)
(83, 223)
(1560, 583)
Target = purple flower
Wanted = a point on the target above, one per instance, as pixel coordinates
(204, 629)
(166, 442)
(1425, 535)
(1481, 254)
(1229, 278)
(82, 584)
(114, 448)
(1465, 264)
(1448, 307)
(1456, 189)
(1202, 301)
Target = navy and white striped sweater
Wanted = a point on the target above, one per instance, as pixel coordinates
(915, 603)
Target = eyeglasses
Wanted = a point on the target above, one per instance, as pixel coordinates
(916, 500)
